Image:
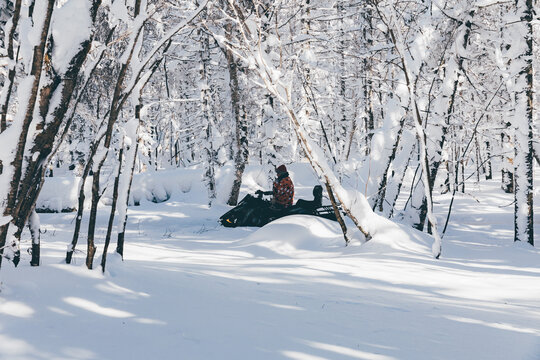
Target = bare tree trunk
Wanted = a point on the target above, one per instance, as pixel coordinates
(33, 225)
(345, 124)
(489, 168)
(96, 195)
(351, 140)
(209, 175)
(381, 193)
(523, 131)
(80, 206)
(113, 209)
(367, 84)
(479, 165)
(123, 220)
(123, 215)
(337, 213)
(241, 156)
(462, 163)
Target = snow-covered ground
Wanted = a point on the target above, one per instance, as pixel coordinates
(190, 289)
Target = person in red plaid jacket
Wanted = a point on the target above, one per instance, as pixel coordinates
(282, 190)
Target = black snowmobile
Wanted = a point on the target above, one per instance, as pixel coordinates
(256, 211)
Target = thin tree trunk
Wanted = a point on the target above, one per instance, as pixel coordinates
(123, 215)
(489, 168)
(381, 193)
(337, 213)
(345, 125)
(478, 161)
(523, 131)
(393, 189)
(330, 192)
(91, 247)
(210, 178)
(33, 225)
(462, 163)
(113, 209)
(367, 83)
(241, 156)
(123, 221)
(351, 140)
(80, 206)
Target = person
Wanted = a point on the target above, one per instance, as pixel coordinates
(312, 204)
(282, 189)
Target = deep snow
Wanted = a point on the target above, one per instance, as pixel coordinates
(191, 289)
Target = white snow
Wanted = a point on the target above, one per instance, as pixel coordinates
(191, 289)
(60, 193)
(71, 25)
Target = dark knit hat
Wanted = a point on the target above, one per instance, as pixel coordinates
(281, 169)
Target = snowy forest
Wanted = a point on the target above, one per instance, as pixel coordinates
(398, 109)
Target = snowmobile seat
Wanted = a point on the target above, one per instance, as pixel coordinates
(312, 204)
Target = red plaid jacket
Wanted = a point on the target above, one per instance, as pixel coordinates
(283, 190)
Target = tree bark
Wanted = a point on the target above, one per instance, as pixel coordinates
(34, 226)
(91, 247)
(210, 178)
(123, 220)
(81, 199)
(381, 193)
(113, 209)
(241, 155)
(523, 132)
(337, 213)
(489, 168)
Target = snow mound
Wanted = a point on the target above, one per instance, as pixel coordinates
(305, 236)
(390, 238)
(159, 186)
(296, 236)
(59, 194)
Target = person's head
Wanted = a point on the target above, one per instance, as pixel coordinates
(317, 195)
(281, 169)
(317, 191)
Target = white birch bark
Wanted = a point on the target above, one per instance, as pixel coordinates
(522, 121)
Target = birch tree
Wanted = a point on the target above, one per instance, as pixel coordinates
(522, 119)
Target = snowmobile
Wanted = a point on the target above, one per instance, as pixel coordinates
(256, 211)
